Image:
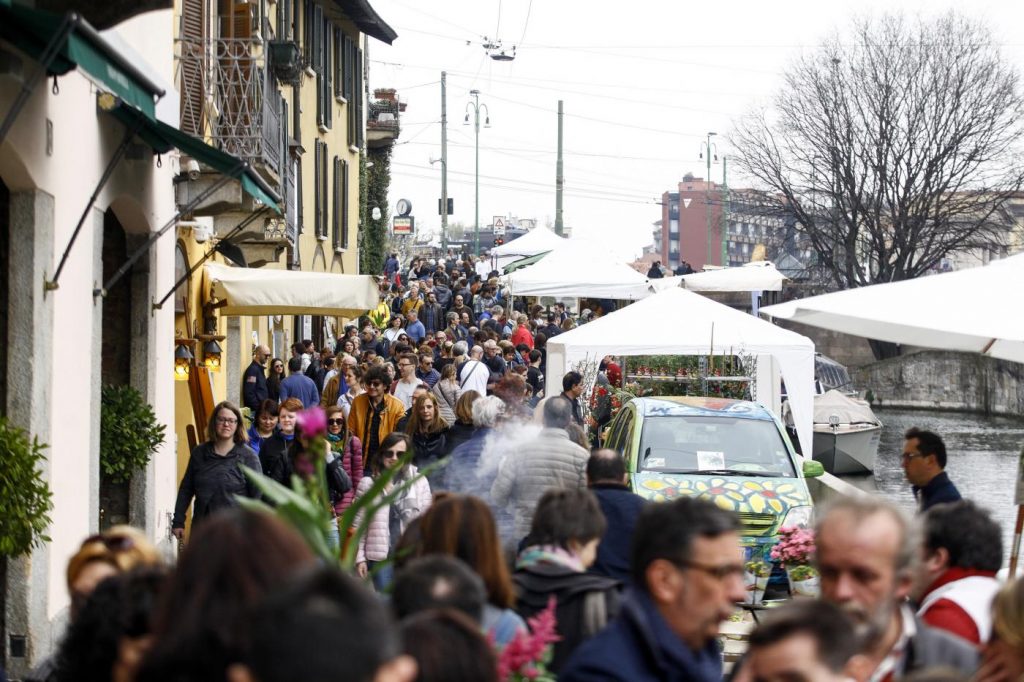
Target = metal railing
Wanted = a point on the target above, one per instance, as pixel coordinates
(383, 115)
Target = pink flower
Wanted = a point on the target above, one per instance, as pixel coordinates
(312, 423)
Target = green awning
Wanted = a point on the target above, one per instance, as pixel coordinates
(78, 46)
(522, 263)
(162, 138)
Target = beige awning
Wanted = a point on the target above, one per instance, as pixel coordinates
(259, 291)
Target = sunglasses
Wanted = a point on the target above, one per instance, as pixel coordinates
(336, 422)
(391, 454)
(376, 384)
(114, 543)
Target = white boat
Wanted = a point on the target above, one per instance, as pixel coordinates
(846, 434)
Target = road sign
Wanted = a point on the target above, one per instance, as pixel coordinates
(451, 207)
(499, 224)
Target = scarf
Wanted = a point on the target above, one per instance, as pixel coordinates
(373, 437)
(549, 554)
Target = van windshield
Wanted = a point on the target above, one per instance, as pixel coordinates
(720, 445)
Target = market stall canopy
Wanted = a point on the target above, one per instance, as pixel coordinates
(756, 276)
(963, 311)
(258, 291)
(580, 269)
(537, 240)
(697, 325)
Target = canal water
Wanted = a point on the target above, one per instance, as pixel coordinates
(982, 459)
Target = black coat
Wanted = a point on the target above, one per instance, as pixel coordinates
(572, 590)
(276, 459)
(429, 447)
(254, 387)
(214, 481)
(937, 491)
(621, 508)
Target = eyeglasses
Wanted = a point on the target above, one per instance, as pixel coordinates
(716, 572)
(226, 420)
(335, 422)
(114, 543)
(375, 384)
(907, 456)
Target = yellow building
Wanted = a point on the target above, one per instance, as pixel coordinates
(282, 86)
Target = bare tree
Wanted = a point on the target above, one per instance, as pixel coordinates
(893, 147)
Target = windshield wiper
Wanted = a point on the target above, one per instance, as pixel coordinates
(734, 472)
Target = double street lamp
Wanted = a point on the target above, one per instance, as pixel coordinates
(476, 106)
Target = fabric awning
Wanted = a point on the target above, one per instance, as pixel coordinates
(756, 276)
(258, 291)
(162, 138)
(80, 46)
(523, 262)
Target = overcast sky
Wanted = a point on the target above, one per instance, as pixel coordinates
(642, 83)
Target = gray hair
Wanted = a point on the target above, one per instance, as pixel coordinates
(860, 507)
(486, 411)
(460, 348)
(557, 413)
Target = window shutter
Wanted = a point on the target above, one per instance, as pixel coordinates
(317, 197)
(360, 116)
(323, 189)
(339, 62)
(336, 205)
(326, 90)
(308, 31)
(344, 204)
(192, 71)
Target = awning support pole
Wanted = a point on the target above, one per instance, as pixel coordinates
(237, 228)
(170, 223)
(45, 59)
(119, 153)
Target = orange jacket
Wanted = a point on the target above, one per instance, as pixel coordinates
(359, 419)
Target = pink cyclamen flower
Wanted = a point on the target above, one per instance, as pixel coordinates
(312, 422)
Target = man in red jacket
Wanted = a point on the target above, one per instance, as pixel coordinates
(963, 549)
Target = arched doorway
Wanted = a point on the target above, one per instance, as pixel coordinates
(116, 353)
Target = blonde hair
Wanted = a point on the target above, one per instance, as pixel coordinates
(1008, 614)
(122, 547)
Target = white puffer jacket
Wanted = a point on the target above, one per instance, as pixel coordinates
(376, 543)
(549, 461)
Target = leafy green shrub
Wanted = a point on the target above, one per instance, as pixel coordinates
(25, 498)
(129, 432)
(803, 572)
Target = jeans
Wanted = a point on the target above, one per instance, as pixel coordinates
(382, 573)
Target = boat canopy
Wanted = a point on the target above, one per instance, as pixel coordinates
(848, 410)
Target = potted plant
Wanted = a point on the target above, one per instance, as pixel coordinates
(129, 435)
(755, 578)
(794, 550)
(25, 498)
(804, 581)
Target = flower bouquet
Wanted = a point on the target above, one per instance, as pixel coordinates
(804, 581)
(755, 579)
(794, 551)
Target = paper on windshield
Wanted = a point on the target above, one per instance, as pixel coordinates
(707, 459)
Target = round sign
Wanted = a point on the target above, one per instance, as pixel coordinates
(404, 207)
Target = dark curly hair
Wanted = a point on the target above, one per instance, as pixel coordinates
(120, 607)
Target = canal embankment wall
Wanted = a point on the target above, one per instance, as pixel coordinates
(942, 380)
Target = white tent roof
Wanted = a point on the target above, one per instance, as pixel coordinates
(756, 276)
(962, 311)
(680, 322)
(579, 268)
(537, 240)
(259, 291)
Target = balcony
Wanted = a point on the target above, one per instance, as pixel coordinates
(382, 124)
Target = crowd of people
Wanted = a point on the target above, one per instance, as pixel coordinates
(501, 524)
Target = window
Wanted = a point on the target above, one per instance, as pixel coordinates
(352, 88)
(324, 67)
(181, 274)
(320, 189)
(285, 27)
(339, 63)
(673, 227)
(309, 31)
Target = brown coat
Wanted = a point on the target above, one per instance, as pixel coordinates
(359, 419)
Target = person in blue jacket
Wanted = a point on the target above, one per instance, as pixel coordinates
(687, 577)
(924, 464)
(607, 478)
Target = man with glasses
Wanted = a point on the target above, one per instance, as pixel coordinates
(374, 414)
(688, 575)
(426, 372)
(924, 464)
(407, 380)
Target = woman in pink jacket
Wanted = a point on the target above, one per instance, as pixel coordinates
(349, 449)
(389, 522)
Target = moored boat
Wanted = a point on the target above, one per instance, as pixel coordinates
(846, 434)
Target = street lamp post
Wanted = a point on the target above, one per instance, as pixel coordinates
(476, 106)
(708, 149)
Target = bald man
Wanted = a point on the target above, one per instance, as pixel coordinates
(254, 382)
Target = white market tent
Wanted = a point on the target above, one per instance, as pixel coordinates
(261, 291)
(536, 241)
(680, 322)
(756, 276)
(963, 311)
(579, 269)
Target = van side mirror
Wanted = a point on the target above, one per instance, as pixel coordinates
(813, 469)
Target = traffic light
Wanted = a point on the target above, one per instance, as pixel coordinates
(496, 242)
(499, 241)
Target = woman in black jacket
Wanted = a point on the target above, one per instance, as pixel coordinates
(561, 546)
(214, 475)
(428, 431)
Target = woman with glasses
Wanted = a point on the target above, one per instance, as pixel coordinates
(263, 424)
(347, 451)
(428, 431)
(377, 545)
(275, 379)
(566, 529)
(213, 477)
